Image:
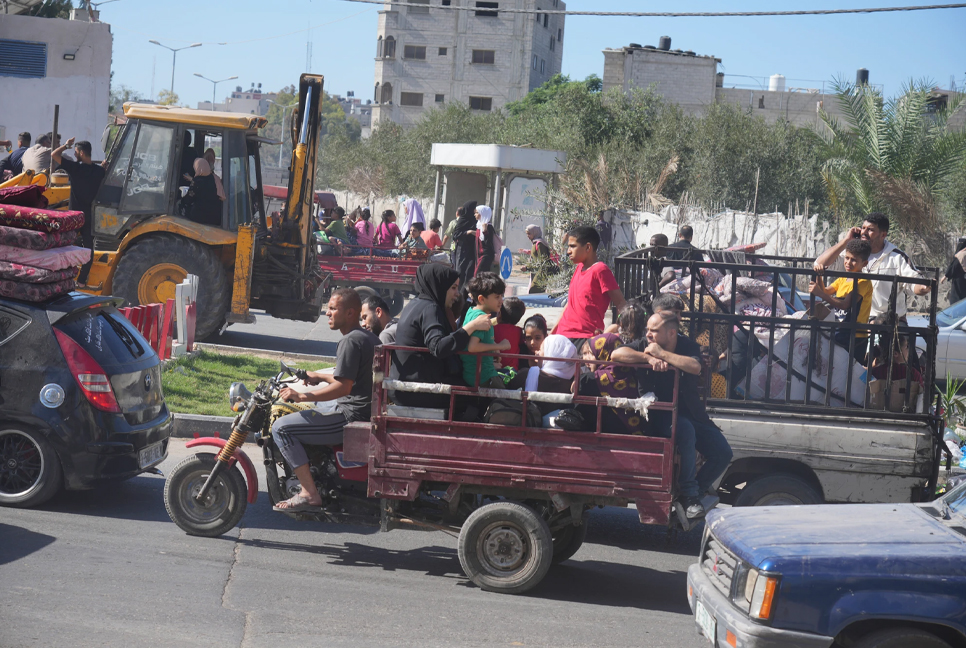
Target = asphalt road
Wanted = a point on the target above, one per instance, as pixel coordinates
(108, 568)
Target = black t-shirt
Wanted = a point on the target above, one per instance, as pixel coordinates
(662, 384)
(85, 180)
(681, 251)
(354, 361)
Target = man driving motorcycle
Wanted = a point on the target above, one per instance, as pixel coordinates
(350, 385)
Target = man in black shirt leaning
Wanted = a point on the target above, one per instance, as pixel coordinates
(682, 250)
(665, 348)
(350, 385)
(85, 180)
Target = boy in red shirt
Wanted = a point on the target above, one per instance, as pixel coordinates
(592, 289)
(506, 329)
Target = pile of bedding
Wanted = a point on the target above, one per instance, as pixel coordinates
(39, 252)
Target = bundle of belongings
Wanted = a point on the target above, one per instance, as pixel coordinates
(39, 252)
(800, 362)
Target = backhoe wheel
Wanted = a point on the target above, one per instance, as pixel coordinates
(505, 547)
(223, 506)
(151, 269)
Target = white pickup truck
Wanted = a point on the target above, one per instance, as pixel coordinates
(801, 417)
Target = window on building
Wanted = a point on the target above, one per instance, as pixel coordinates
(546, 19)
(481, 103)
(446, 3)
(23, 59)
(533, 63)
(379, 47)
(440, 98)
(386, 93)
(482, 7)
(410, 98)
(484, 57)
(559, 34)
(552, 43)
(538, 16)
(417, 52)
(419, 10)
(443, 51)
(389, 47)
(543, 65)
(375, 96)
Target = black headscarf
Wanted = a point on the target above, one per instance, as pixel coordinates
(466, 222)
(433, 280)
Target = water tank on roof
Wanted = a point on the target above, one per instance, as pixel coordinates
(861, 77)
(650, 47)
(689, 53)
(635, 45)
(664, 43)
(719, 80)
(776, 83)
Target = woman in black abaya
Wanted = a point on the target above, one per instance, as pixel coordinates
(464, 243)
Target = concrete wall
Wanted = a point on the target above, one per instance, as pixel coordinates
(799, 108)
(81, 86)
(514, 38)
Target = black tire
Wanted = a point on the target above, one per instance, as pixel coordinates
(396, 300)
(505, 547)
(214, 289)
(567, 541)
(224, 507)
(30, 472)
(365, 292)
(778, 490)
(901, 638)
(276, 492)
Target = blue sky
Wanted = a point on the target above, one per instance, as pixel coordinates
(894, 46)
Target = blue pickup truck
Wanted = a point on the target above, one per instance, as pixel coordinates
(851, 576)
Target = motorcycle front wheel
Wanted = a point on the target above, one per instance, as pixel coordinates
(223, 506)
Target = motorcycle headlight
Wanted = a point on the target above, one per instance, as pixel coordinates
(238, 396)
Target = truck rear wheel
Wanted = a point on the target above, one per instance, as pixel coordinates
(505, 547)
(778, 490)
(151, 269)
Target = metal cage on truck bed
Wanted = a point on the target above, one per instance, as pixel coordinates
(767, 364)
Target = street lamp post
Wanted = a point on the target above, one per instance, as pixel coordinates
(284, 108)
(174, 56)
(214, 86)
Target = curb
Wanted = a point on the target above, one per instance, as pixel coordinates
(186, 426)
(274, 355)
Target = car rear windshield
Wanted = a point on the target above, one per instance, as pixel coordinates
(109, 337)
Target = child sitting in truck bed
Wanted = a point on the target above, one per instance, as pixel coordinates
(506, 329)
(486, 292)
(852, 303)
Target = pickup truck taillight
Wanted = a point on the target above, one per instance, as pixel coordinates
(89, 375)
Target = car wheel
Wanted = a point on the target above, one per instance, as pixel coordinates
(901, 638)
(30, 472)
(505, 547)
(778, 490)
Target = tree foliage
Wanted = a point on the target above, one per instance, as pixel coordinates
(121, 95)
(53, 9)
(168, 98)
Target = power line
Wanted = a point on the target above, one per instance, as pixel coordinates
(672, 14)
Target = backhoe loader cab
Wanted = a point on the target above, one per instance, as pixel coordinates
(147, 242)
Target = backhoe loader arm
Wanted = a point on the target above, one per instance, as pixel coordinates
(297, 224)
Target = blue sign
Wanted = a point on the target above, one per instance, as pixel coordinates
(506, 263)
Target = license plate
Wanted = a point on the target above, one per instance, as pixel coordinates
(705, 621)
(150, 455)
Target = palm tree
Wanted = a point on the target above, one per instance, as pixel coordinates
(892, 156)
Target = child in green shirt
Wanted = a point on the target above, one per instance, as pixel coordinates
(486, 290)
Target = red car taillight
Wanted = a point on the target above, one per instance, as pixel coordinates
(88, 374)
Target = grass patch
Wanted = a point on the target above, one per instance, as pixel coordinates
(199, 384)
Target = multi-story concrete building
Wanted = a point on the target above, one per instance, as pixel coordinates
(480, 56)
(693, 82)
(252, 101)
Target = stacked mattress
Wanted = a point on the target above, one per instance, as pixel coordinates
(39, 252)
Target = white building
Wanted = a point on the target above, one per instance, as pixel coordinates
(48, 61)
(252, 101)
(482, 57)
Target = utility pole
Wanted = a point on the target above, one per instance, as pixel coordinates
(214, 85)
